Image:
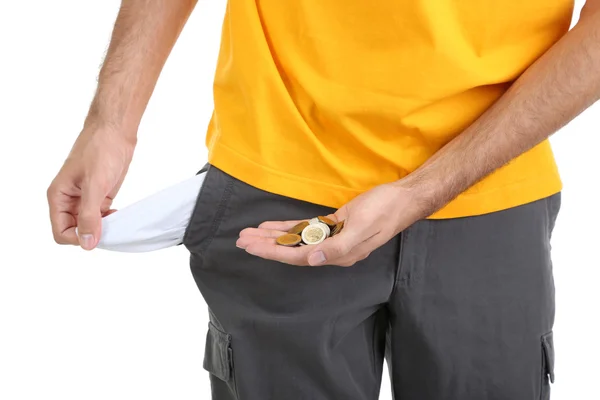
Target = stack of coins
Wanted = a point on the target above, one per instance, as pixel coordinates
(313, 231)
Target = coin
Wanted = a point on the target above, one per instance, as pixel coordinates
(314, 234)
(337, 228)
(314, 220)
(289, 240)
(329, 222)
(297, 229)
(325, 228)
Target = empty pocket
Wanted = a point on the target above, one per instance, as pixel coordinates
(218, 355)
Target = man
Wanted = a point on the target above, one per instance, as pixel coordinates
(422, 125)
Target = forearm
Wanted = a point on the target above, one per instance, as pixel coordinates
(144, 34)
(554, 90)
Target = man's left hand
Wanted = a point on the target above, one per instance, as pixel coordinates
(370, 220)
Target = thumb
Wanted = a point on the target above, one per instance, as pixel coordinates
(335, 247)
(89, 221)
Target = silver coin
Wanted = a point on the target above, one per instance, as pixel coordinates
(314, 234)
(325, 228)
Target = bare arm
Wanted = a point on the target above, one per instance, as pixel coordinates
(83, 190)
(142, 38)
(554, 90)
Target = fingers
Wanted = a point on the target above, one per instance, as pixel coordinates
(62, 217)
(260, 242)
(263, 232)
(268, 249)
(254, 235)
(244, 241)
(283, 226)
(360, 252)
(337, 247)
(345, 249)
(89, 221)
(63, 228)
(108, 212)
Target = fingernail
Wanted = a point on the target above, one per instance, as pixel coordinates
(237, 244)
(316, 258)
(86, 241)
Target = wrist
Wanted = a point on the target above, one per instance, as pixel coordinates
(114, 112)
(95, 124)
(98, 133)
(423, 194)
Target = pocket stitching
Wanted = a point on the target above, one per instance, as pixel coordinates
(186, 233)
(218, 215)
(216, 223)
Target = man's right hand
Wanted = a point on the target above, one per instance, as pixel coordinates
(84, 188)
(82, 192)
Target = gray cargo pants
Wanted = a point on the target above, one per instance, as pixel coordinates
(462, 309)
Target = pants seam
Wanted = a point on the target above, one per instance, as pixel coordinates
(399, 265)
(227, 192)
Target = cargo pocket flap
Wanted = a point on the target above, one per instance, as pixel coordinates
(217, 354)
(548, 347)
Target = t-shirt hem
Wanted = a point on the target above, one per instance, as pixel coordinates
(465, 205)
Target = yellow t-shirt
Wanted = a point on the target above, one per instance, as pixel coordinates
(321, 100)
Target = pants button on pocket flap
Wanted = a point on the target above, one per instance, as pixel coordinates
(548, 354)
(217, 354)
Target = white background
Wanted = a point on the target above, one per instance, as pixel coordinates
(101, 325)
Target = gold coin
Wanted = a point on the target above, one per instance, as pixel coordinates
(297, 229)
(289, 240)
(337, 228)
(327, 221)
